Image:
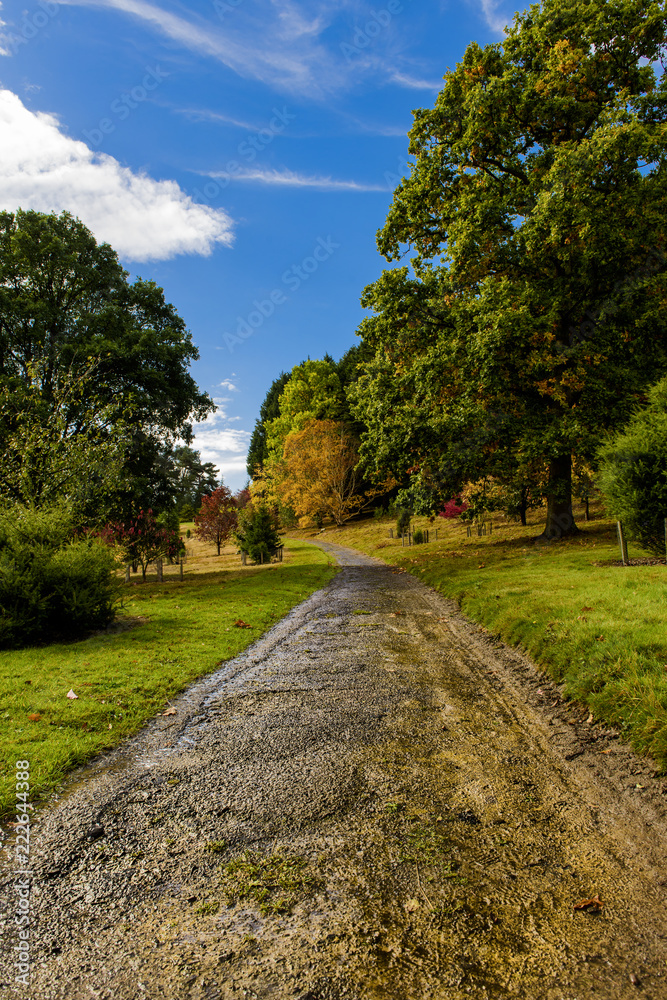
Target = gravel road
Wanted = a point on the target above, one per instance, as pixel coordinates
(377, 800)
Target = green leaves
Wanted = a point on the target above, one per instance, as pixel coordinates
(536, 210)
(89, 352)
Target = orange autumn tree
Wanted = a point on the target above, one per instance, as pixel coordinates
(317, 476)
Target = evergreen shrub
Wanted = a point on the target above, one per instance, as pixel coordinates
(52, 583)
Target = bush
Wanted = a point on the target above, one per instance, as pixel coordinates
(51, 583)
(257, 532)
(633, 473)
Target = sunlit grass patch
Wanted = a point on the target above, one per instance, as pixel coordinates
(166, 636)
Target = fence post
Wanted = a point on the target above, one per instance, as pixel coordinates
(158, 566)
(623, 544)
(436, 533)
(391, 532)
(181, 562)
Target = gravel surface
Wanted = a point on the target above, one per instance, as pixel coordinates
(377, 800)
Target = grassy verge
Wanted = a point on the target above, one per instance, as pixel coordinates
(166, 636)
(596, 627)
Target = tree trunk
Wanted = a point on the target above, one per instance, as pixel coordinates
(523, 505)
(560, 519)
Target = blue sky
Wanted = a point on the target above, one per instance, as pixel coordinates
(241, 153)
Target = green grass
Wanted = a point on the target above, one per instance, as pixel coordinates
(598, 628)
(165, 637)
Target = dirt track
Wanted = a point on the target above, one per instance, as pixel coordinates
(447, 811)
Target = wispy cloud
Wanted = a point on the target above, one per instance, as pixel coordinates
(288, 178)
(4, 48)
(144, 219)
(404, 80)
(274, 41)
(204, 115)
(496, 21)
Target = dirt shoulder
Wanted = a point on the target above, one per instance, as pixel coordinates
(422, 814)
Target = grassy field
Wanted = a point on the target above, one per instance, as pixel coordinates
(599, 628)
(166, 635)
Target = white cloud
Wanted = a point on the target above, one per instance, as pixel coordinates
(404, 80)
(4, 51)
(204, 115)
(143, 219)
(228, 385)
(225, 446)
(495, 21)
(274, 41)
(288, 178)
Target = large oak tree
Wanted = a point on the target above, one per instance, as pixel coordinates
(536, 213)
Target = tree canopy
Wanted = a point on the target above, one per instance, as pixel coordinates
(533, 318)
(65, 299)
(258, 451)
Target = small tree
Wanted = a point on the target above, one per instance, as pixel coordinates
(142, 540)
(217, 517)
(403, 520)
(257, 532)
(319, 474)
(633, 473)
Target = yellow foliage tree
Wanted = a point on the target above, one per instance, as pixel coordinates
(317, 475)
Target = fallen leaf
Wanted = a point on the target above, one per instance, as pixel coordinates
(412, 905)
(241, 624)
(589, 719)
(634, 979)
(607, 751)
(592, 905)
(482, 566)
(587, 609)
(27, 682)
(170, 711)
(599, 638)
(640, 786)
(35, 717)
(71, 695)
